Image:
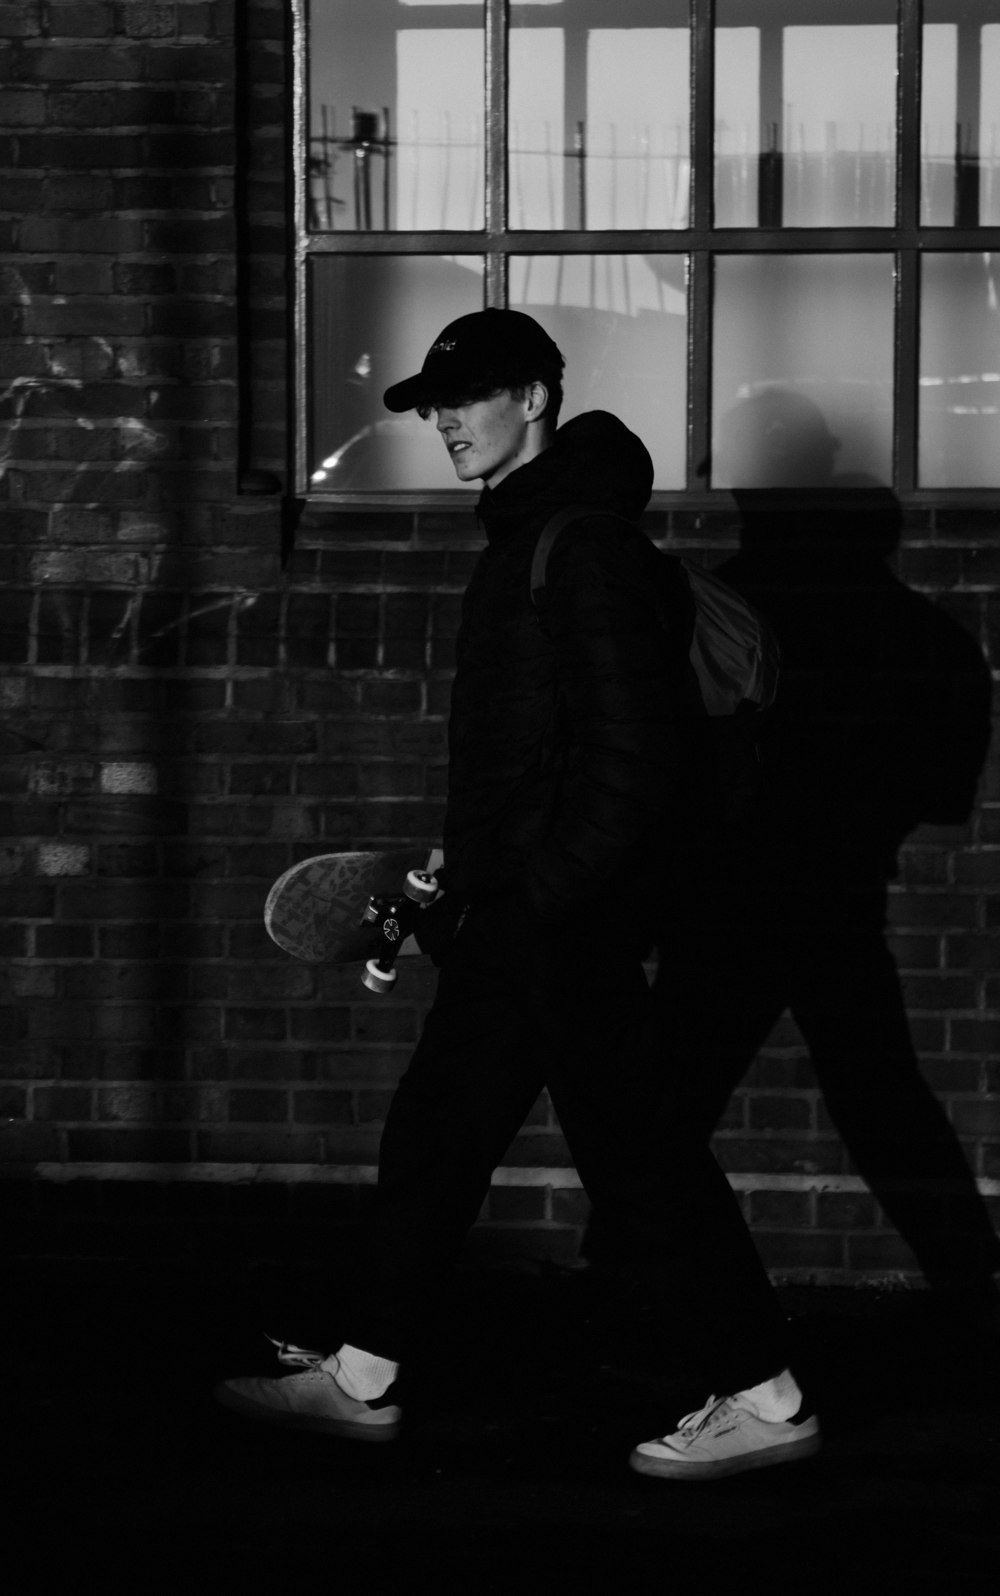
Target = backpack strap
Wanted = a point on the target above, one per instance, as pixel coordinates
(734, 655)
(547, 539)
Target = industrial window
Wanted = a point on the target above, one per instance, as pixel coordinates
(764, 232)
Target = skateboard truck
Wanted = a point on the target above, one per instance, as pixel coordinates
(395, 915)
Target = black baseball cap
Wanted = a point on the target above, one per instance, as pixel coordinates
(485, 351)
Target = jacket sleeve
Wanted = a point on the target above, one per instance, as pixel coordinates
(619, 617)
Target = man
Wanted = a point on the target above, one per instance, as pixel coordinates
(566, 774)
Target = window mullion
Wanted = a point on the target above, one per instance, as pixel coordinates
(907, 369)
(908, 115)
(702, 113)
(497, 76)
(300, 373)
(907, 328)
(699, 348)
(699, 369)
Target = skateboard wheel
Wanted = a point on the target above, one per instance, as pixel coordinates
(377, 980)
(420, 887)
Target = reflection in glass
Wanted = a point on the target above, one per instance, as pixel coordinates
(805, 114)
(989, 129)
(960, 114)
(537, 168)
(737, 126)
(959, 423)
(395, 117)
(802, 371)
(598, 118)
(621, 323)
(372, 319)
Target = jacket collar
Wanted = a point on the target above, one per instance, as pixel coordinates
(594, 459)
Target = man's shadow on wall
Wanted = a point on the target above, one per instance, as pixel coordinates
(881, 725)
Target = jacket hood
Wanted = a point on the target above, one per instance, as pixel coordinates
(593, 459)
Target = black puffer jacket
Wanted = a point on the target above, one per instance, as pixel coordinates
(565, 760)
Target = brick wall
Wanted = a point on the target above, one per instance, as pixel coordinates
(182, 718)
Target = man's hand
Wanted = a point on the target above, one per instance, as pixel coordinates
(436, 927)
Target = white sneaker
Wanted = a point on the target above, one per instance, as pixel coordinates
(311, 1400)
(725, 1437)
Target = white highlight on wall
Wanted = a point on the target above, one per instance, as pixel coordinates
(63, 859)
(128, 778)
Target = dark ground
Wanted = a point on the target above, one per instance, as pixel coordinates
(512, 1474)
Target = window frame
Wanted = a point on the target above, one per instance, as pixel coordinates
(906, 240)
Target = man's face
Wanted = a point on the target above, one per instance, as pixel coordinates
(488, 438)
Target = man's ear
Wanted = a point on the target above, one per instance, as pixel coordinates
(537, 400)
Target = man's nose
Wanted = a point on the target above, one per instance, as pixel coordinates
(445, 418)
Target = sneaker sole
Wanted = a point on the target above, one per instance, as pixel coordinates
(342, 1429)
(667, 1469)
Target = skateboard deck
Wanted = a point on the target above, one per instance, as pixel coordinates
(335, 907)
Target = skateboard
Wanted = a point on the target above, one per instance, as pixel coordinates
(343, 908)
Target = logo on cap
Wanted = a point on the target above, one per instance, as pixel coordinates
(444, 346)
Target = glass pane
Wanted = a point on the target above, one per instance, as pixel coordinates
(802, 371)
(395, 116)
(621, 323)
(960, 372)
(599, 116)
(372, 319)
(960, 114)
(805, 113)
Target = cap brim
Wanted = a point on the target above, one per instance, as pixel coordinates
(405, 395)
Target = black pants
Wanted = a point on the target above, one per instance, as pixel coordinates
(521, 1006)
(720, 992)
